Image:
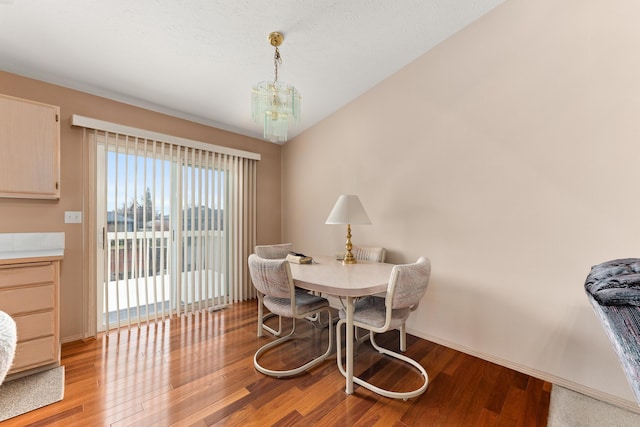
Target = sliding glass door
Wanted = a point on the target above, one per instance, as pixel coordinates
(163, 214)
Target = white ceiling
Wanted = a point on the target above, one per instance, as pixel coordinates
(198, 59)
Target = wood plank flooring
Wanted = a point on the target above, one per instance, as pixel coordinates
(198, 370)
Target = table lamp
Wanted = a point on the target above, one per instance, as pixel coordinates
(348, 210)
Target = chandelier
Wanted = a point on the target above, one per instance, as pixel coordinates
(275, 104)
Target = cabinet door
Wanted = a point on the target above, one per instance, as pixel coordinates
(29, 149)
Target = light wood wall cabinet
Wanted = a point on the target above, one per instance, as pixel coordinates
(29, 294)
(29, 149)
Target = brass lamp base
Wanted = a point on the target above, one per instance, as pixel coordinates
(348, 256)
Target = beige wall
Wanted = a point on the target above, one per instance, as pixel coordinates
(509, 156)
(18, 215)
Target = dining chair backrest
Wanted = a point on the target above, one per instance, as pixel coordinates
(271, 277)
(368, 253)
(278, 251)
(408, 284)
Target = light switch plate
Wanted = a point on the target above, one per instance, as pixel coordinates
(73, 217)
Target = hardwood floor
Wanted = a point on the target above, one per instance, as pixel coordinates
(198, 370)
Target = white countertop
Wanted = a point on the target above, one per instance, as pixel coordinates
(31, 245)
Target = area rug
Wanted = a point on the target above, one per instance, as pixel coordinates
(31, 392)
(568, 409)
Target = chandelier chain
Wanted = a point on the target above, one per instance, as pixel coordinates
(277, 59)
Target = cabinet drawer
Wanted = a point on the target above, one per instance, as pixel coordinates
(34, 353)
(24, 300)
(27, 275)
(35, 325)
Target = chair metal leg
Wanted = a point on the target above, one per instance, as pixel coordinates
(403, 338)
(262, 317)
(260, 314)
(376, 389)
(295, 371)
(272, 331)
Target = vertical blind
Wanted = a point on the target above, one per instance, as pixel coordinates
(176, 220)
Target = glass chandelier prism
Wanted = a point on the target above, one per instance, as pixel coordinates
(275, 104)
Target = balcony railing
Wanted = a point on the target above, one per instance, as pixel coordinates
(144, 279)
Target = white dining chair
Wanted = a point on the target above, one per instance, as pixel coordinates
(407, 285)
(276, 251)
(370, 254)
(274, 283)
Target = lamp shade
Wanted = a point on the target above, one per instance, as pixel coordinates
(348, 210)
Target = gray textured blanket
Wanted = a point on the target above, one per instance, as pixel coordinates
(613, 288)
(615, 282)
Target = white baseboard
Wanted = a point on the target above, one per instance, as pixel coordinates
(545, 376)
